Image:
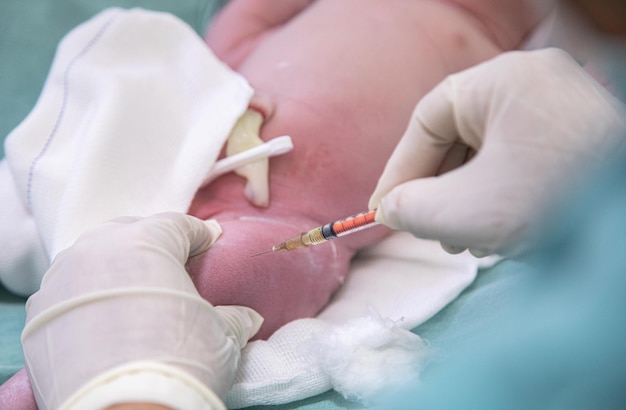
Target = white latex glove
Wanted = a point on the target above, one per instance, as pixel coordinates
(117, 319)
(535, 119)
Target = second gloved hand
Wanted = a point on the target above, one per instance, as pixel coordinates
(118, 320)
(535, 121)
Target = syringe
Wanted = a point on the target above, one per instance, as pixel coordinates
(327, 232)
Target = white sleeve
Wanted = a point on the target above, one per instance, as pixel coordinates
(145, 382)
(23, 260)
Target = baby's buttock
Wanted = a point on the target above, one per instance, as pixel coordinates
(343, 78)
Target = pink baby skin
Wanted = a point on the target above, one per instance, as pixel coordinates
(341, 78)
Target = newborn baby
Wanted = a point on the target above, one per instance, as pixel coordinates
(341, 78)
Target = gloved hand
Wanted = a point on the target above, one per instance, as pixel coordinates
(535, 121)
(118, 320)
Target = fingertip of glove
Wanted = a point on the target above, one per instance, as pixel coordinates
(452, 249)
(255, 320)
(215, 230)
(204, 234)
(480, 253)
(243, 321)
(373, 202)
(386, 212)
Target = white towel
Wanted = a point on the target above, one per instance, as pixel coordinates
(131, 119)
(361, 342)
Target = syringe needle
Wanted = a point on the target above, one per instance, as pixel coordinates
(262, 253)
(283, 246)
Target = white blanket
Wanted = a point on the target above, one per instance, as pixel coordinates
(131, 119)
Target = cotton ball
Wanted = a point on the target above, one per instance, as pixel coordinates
(367, 356)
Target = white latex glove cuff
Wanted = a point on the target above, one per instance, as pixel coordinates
(145, 382)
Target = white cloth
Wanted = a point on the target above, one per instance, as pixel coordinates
(130, 121)
(132, 117)
(392, 287)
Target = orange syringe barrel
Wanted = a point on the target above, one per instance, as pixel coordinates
(349, 225)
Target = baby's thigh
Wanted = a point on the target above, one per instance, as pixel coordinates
(281, 286)
(17, 394)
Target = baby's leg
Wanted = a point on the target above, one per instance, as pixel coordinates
(16, 393)
(282, 287)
